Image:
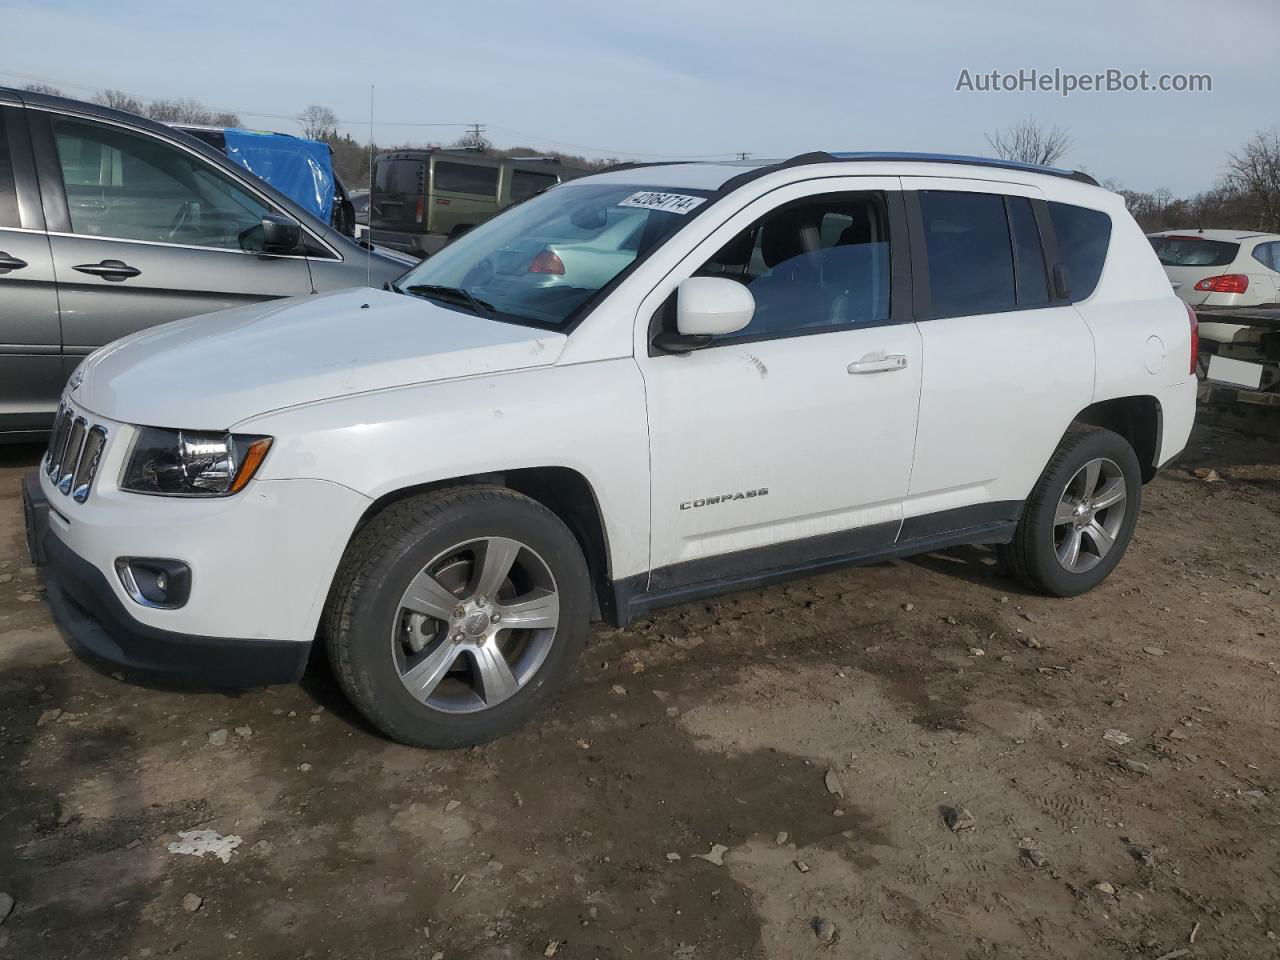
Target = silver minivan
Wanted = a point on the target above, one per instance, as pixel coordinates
(110, 223)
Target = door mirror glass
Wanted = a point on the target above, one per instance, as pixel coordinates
(712, 307)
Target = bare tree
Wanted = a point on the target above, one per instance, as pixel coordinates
(119, 100)
(1030, 141)
(43, 88)
(318, 122)
(1254, 170)
(187, 110)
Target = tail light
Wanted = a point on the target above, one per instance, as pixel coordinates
(420, 209)
(547, 262)
(1227, 283)
(1195, 336)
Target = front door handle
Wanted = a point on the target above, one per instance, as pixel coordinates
(8, 263)
(879, 363)
(114, 270)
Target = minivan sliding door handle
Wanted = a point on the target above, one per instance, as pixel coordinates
(879, 363)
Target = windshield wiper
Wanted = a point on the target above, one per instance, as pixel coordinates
(458, 295)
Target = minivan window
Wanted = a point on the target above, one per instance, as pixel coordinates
(525, 183)
(1083, 237)
(8, 190)
(131, 187)
(821, 262)
(539, 262)
(969, 252)
(1028, 254)
(1176, 251)
(466, 178)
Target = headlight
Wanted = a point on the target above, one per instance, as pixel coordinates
(187, 463)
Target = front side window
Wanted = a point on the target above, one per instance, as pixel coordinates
(131, 187)
(540, 261)
(813, 264)
(466, 178)
(1083, 237)
(969, 252)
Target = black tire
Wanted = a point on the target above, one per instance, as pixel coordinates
(1032, 557)
(387, 554)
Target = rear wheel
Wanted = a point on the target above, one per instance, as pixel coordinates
(1080, 517)
(457, 615)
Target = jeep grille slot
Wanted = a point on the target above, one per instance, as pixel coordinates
(71, 455)
(88, 465)
(58, 442)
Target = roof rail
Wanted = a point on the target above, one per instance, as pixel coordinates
(821, 156)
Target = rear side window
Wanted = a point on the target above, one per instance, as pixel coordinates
(8, 192)
(1268, 254)
(525, 183)
(1193, 251)
(466, 178)
(1083, 237)
(969, 251)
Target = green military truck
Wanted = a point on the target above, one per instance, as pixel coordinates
(422, 199)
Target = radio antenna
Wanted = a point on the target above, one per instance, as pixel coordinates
(368, 240)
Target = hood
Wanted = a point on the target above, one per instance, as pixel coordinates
(212, 371)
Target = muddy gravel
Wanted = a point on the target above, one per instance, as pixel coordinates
(911, 760)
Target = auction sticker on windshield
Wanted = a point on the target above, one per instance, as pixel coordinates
(680, 203)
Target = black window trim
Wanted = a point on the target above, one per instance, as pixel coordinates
(57, 214)
(923, 291)
(900, 281)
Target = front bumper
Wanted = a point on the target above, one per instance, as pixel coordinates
(102, 625)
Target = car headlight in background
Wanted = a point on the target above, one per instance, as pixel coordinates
(190, 463)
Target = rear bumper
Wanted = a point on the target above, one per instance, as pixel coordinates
(100, 624)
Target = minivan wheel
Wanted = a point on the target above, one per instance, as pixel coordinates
(1080, 517)
(456, 615)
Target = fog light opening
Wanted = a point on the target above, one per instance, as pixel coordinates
(154, 582)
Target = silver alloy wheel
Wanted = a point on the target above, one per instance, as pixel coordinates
(1089, 515)
(475, 625)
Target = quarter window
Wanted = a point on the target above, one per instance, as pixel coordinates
(126, 186)
(1268, 254)
(525, 183)
(969, 252)
(1083, 237)
(818, 263)
(466, 178)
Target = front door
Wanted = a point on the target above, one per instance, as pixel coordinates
(150, 232)
(789, 442)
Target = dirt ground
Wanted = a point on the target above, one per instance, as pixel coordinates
(912, 688)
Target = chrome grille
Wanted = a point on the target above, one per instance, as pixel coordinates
(75, 451)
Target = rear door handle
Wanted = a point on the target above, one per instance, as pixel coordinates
(8, 263)
(114, 270)
(879, 363)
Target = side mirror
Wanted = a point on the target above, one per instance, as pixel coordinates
(707, 307)
(280, 234)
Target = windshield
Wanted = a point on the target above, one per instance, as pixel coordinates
(1193, 251)
(539, 261)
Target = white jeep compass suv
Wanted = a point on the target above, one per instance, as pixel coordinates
(638, 388)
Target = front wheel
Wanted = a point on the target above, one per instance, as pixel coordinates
(1080, 517)
(457, 615)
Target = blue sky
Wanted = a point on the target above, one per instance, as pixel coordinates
(692, 78)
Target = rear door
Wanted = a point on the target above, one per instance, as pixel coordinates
(1007, 364)
(30, 342)
(144, 230)
(462, 194)
(399, 196)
